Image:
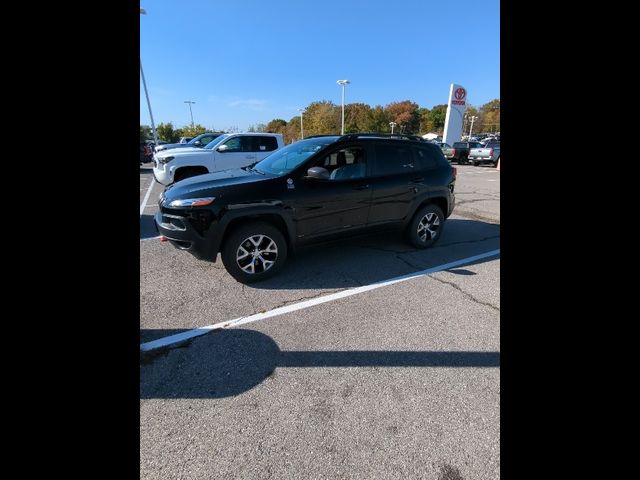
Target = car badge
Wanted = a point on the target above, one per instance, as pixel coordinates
(290, 184)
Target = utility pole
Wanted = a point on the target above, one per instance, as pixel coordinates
(190, 111)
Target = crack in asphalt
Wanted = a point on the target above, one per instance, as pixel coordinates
(475, 216)
(301, 299)
(466, 294)
(466, 241)
(462, 202)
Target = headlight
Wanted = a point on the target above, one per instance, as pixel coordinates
(165, 159)
(191, 202)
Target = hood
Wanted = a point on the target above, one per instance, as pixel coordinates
(210, 182)
(182, 151)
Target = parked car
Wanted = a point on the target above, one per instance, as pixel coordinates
(460, 151)
(199, 141)
(229, 150)
(314, 189)
(442, 145)
(185, 139)
(490, 153)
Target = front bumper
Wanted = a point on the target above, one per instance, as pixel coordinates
(182, 234)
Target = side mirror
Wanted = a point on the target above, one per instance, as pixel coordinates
(222, 148)
(319, 173)
(197, 142)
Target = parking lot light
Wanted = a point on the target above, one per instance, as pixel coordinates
(146, 93)
(343, 83)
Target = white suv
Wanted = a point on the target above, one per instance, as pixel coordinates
(230, 150)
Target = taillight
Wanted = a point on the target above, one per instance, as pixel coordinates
(491, 152)
(453, 151)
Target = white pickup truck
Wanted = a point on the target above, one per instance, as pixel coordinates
(230, 150)
(490, 153)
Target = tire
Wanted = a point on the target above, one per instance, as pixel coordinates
(463, 160)
(476, 164)
(426, 227)
(239, 246)
(185, 173)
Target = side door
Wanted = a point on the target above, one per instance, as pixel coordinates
(395, 180)
(338, 203)
(235, 152)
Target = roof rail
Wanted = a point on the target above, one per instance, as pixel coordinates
(324, 135)
(399, 136)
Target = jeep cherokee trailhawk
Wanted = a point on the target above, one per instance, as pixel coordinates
(315, 189)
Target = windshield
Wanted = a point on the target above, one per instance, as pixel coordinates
(213, 143)
(288, 158)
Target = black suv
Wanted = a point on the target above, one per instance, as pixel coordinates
(315, 189)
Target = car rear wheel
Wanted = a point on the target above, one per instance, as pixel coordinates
(476, 164)
(463, 160)
(254, 252)
(426, 227)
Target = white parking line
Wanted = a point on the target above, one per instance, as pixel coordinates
(181, 337)
(146, 197)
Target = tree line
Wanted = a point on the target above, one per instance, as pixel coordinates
(324, 117)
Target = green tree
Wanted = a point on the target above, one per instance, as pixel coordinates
(166, 132)
(376, 120)
(490, 113)
(276, 126)
(322, 118)
(145, 133)
(189, 131)
(438, 116)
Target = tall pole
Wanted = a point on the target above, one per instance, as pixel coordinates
(471, 128)
(146, 93)
(344, 83)
(301, 124)
(190, 111)
(392, 124)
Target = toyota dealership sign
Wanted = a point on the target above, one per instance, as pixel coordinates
(455, 114)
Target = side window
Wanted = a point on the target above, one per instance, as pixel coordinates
(233, 145)
(264, 144)
(393, 159)
(426, 158)
(345, 164)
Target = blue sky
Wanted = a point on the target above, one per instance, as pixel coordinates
(248, 62)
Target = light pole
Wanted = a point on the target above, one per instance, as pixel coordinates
(344, 83)
(190, 111)
(471, 128)
(301, 125)
(144, 83)
(392, 125)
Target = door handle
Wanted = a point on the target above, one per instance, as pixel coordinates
(250, 156)
(417, 180)
(361, 187)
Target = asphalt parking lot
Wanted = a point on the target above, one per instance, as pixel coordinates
(397, 381)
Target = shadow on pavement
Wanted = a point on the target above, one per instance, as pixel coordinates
(147, 227)
(229, 362)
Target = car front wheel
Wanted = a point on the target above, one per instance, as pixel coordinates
(426, 227)
(254, 252)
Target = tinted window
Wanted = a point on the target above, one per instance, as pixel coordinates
(264, 144)
(428, 158)
(459, 145)
(393, 159)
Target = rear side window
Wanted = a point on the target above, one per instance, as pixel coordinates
(459, 145)
(393, 159)
(264, 144)
(430, 158)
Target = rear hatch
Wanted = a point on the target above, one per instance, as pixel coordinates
(481, 153)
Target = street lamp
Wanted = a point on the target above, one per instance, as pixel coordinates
(144, 83)
(472, 118)
(190, 103)
(301, 125)
(344, 83)
(392, 125)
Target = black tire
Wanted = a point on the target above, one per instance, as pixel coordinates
(426, 227)
(185, 173)
(476, 164)
(463, 160)
(244, 237)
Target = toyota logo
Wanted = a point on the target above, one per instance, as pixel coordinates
(460, 93)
